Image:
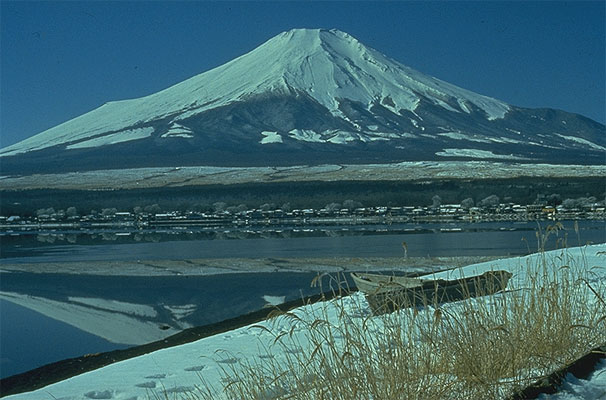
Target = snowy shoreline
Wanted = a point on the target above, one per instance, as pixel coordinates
(177, 370)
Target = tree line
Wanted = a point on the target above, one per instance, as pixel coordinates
(299, 195)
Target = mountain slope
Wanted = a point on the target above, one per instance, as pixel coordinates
(308, 96)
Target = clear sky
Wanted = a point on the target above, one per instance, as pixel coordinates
(62, 59)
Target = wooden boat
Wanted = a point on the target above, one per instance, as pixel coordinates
(387, 293)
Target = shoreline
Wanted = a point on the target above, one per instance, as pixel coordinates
(208, 266)
(58, 371)
(173, 362)
(61, 370)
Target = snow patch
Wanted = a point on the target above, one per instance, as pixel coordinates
(343, 137)
(506, 140)
(444, 104)
(582, 141)
(573, 388)
(337, 136)
(390, 135)
(478, 138)
(464, 106)
(461, 136)
(306, 135)
(178, 130)
(270, 137)
(475, 153)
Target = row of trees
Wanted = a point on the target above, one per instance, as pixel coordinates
(301, 195)
(488, 202)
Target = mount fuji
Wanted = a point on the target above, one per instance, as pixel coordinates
(308, 97)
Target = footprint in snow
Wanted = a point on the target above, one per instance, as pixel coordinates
(181, 389)
(97, 394)
(157, 376)
(232, 360)
(147, 385)
(294, 350)
(195, 368)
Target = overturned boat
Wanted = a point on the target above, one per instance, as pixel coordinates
(386, 293)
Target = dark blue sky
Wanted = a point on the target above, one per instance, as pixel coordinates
(62, 59)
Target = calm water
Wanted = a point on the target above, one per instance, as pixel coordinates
(374, 241)
(59, 316)
(49, 317)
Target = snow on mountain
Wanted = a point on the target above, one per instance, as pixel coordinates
(583, 142)
(177, 130)
(474, 153)
(270, 137)
(123, 136)
(296, 97)
(328, 65)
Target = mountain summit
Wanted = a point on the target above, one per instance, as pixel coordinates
(308, 96)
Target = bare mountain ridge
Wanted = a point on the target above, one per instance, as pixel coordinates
(308, 97)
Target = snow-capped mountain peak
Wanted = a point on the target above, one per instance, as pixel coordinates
(330, 65)
(327, 65)
(300, 93)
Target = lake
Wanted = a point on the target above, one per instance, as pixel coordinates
(45, 317)
(493, 238)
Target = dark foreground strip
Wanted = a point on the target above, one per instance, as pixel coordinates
(61, 370)
(581, 368)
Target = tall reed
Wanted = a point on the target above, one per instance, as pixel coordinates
(552, 313)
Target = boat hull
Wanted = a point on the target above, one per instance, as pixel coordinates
(385, 295)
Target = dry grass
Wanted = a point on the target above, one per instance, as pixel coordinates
(485, 347)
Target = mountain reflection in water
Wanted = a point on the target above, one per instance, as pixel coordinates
(137, 310)
(133, 310)
(113, 311)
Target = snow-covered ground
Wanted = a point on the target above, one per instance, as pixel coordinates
(207, 175)
(180, 369)
(474, 153)
(594, 387)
